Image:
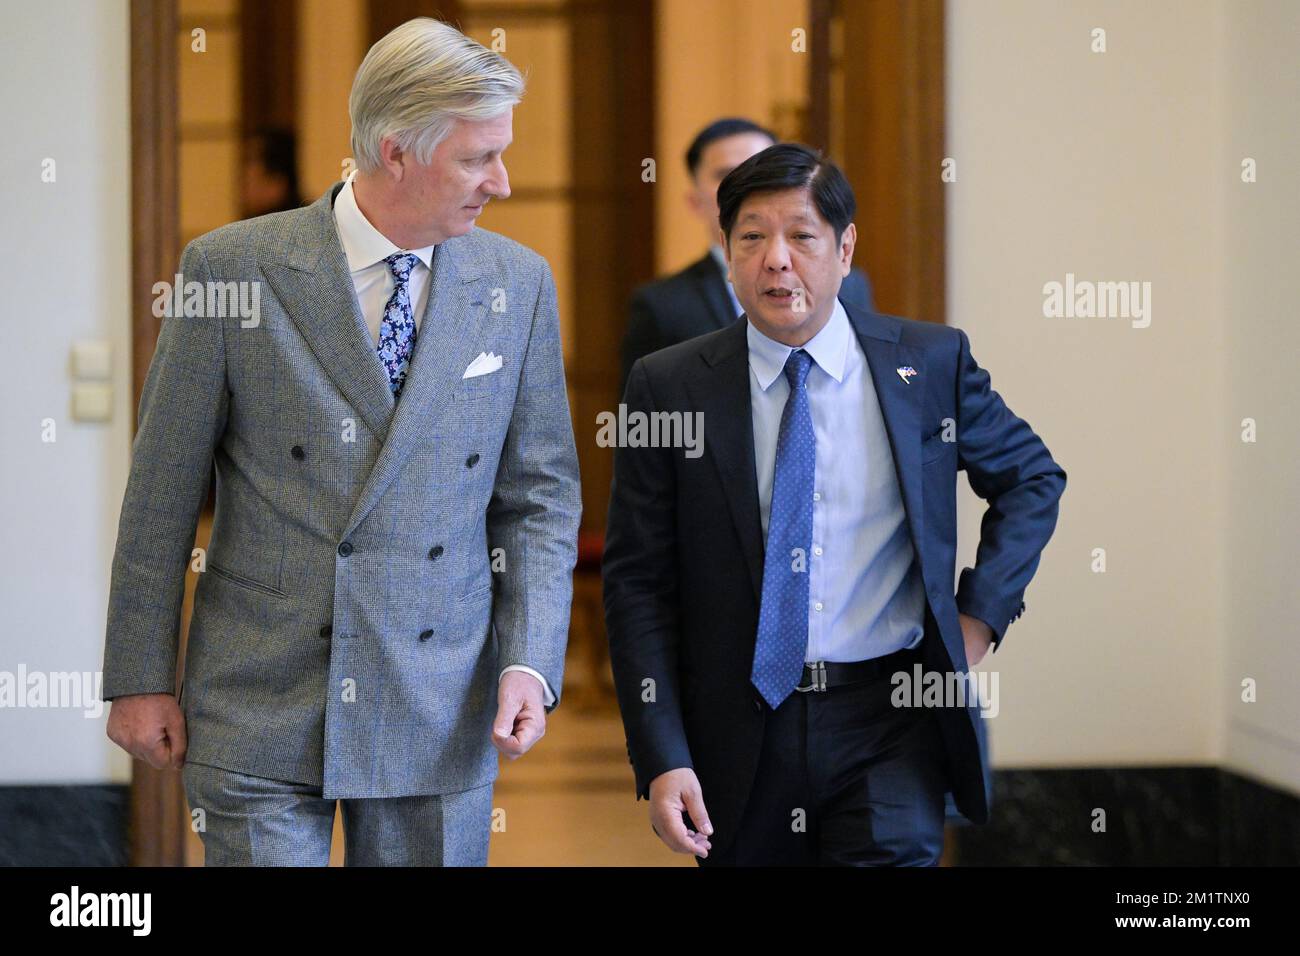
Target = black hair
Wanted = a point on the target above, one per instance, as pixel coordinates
(788, 166)
(720, 129)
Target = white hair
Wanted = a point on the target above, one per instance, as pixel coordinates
(417, 80)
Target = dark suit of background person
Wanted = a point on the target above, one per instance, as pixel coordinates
(684, 584)
(697, 301)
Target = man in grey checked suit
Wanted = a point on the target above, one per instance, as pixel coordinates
(386, 593)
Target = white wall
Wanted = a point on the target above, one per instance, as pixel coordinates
(64, 269)
(1262, 336)
(1123, 166)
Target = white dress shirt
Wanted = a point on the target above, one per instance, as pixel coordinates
(865, 593)
(366, 249)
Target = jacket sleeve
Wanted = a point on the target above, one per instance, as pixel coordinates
(182, 415)
(536, 506)
(641, 595)
(1011, 469)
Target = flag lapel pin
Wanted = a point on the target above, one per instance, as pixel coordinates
(906, 372)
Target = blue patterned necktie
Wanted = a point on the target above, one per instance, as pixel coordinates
(397, 330)
(783, 613)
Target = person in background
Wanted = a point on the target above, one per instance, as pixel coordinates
(270, 176)
(700, 298)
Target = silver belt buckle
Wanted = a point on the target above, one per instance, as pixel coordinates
(818, 678)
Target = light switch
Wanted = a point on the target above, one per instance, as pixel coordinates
(92, 359)
(92, 401)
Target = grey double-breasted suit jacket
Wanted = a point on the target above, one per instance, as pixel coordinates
(373, 564)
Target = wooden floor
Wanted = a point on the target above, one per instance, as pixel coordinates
(571, 801)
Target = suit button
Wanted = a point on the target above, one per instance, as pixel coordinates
(472, 460)
(327, 630)
(345, 549)
(425, 635)
(435, 552)
(297, 452)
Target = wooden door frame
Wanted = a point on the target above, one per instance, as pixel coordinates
(892, 131)
(157, 825)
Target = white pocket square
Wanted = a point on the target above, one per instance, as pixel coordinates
(486, 363)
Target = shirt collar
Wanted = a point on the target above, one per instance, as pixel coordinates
(829, 348)
(363, 244)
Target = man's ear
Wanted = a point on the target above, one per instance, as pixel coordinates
(847, 241)
(392, 158)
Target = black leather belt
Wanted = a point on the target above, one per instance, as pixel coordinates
(823, 675)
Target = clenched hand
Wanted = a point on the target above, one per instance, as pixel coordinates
(150, 727)
(521, 715)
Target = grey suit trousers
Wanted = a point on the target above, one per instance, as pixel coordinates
(256, 821)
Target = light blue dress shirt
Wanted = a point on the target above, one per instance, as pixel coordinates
(865, 594)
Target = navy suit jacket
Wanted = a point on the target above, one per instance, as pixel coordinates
(683, 562)
(695, 302)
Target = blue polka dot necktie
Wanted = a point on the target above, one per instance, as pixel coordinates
(397, 330)
(782, 643)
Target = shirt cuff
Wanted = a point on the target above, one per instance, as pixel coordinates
(549, 698)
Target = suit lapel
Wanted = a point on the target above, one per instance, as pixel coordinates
(315, 287)
(444, 347)
(900, 403)
(729, 427)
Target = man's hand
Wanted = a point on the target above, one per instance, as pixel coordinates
(521, 714)
(977, 636)
(150, 727)
(670, 794)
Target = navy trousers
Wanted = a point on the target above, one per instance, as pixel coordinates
(844, 779)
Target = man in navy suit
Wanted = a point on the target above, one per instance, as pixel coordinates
(764, 597)
(699, 299)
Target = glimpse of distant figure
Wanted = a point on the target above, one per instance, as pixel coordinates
(270, 180)
(700, 299)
